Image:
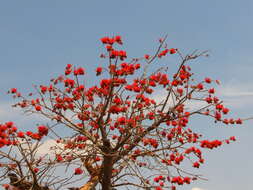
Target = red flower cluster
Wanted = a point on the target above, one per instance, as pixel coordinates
(150, 141)
(180, 180)
(13, 90)
(6, 130)
(43, 89)
(43, 130)
(112, 52)
(99, 70)
(160, 179)
(79, 71)
(68, 69)
(21, 134)
(59, 158)
(164, 52)
(111, 41)
(78, 171)
(121, 54)
(38, 108)
(36, 170)
(210, 144)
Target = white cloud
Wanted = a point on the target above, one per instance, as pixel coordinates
(197, 188)
(42, 148)
(232, 90)
(190, 105)
(46, 148)
(7, 112)
(17, 115)
(50, 147)
(236, 95)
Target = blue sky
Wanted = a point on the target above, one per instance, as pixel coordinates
(38, 38)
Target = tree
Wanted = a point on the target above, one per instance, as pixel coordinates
(120, 133)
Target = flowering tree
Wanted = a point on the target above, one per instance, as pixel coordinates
(128, 131)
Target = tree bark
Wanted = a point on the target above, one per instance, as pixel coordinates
(107, 173)
(107, 166)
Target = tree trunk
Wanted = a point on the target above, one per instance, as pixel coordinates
(107, 173)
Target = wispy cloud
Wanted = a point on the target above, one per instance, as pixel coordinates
(25, 120)
(235, 90)
(50, 147)
(47, 148)
(190, 105)
(197, 188)
(233, 94)
(236, 95)
(9, 113)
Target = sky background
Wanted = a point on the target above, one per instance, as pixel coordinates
(38, 38)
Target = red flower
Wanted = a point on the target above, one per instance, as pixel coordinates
(163, 53)
(114, 137)
(97, 159)
(161, 177)
(38, 108)
(78, 171)
(187, 180)
(211, 91)
(111, 41)
(59, 158)
(118, 39)
(14, 128)
(68, 66)
(122, 54)
(79, 71)
(208, 80)
(36, 170)
(208, 100)
(3, 142)
(43, 130)
(121, 120)
(68, 71)
(173, 51)
(225, 110)
(161, 183)
(21, 135)
(137, 66)
(114, 54)
(6, 186)
(29, 133)
(109, 48)
(104, 40)
(146, 56)
(156, 179)
(43, 89)
(13, 90)
(99, 70)
(36, 136)
(9, 124)
(238, 121)
(200, 86)
(195, 165)
(217, 116)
